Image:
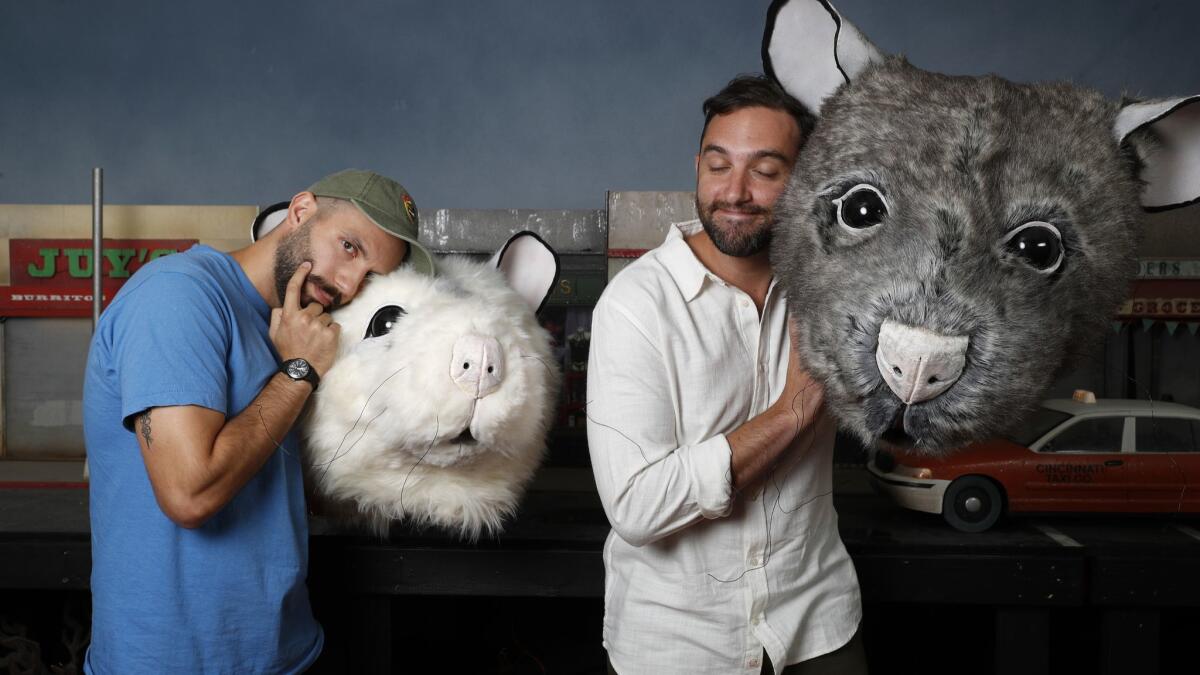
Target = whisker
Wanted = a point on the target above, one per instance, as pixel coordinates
(436, 428)
(606, 426)
(360, 437)
(263, 421)
(338, 452)
(540, 360)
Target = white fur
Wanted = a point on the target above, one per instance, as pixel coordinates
(381, 431)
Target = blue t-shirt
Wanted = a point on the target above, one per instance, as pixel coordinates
(229, 596)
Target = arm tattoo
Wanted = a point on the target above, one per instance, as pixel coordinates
(144, 427)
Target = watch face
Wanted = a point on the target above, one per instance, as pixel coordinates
(297, 369)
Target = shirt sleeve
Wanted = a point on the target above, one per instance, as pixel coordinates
(170, 346)
(649, 485)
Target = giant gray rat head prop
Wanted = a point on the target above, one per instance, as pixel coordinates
(948, 243)
(437, 406)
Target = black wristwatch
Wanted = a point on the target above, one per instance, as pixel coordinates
(299, 369)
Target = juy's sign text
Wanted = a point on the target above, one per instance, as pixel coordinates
(52, 277)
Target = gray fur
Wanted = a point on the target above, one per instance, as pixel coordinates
(961, 161)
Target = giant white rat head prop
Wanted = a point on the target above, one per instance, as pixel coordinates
(437, 407)
(948, 243)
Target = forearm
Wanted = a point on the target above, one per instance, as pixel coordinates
(246, 442)
(648, 499)
(757, 445)
(195, 473)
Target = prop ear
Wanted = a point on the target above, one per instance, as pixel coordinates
(530, 266)
(267, 220)
(1169, 149)
(811, 50)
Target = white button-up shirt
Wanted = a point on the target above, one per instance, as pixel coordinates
(699, 579)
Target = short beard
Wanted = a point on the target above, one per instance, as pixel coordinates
(294, 249)
(736, 244)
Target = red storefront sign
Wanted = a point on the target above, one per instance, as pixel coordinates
(1167, 299)
(53, 277)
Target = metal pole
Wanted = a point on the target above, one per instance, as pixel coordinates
(97, 238)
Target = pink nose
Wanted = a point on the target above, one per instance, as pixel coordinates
(477, 365)
(918, 364)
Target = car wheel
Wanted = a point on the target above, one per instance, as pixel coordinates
(972, 504)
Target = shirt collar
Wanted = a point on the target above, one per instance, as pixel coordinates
(681, 263)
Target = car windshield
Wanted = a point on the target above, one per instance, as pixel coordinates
(1036, 425)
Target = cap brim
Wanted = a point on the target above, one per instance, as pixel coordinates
(419, 257)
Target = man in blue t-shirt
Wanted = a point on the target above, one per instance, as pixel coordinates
(196, 373)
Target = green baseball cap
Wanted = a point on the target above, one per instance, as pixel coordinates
(385, 202)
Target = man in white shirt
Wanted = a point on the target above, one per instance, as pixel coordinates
(711, 450)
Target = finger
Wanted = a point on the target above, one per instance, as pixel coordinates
(291, 301)
(313, 309)
(276, 316)
(325, 319)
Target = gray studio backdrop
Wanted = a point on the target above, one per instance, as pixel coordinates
(534, 104)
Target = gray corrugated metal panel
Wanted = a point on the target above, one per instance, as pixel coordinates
(639, 220)
(43, 407)
(486, 230)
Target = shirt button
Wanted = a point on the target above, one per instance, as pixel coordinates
(753, 663)
(755, 561)
(756, 620)
(744, 302)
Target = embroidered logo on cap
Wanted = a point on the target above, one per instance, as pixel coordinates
(410, 207)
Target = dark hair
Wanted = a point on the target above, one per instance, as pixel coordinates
(749, 91)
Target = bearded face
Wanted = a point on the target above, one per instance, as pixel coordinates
(745, 158)
(295, 248)
(734, 238)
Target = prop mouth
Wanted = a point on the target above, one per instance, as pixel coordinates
(465, 438)
(895, 435)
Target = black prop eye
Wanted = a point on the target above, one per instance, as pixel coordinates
(861, 207)
(384, 321)
(1037, 244)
